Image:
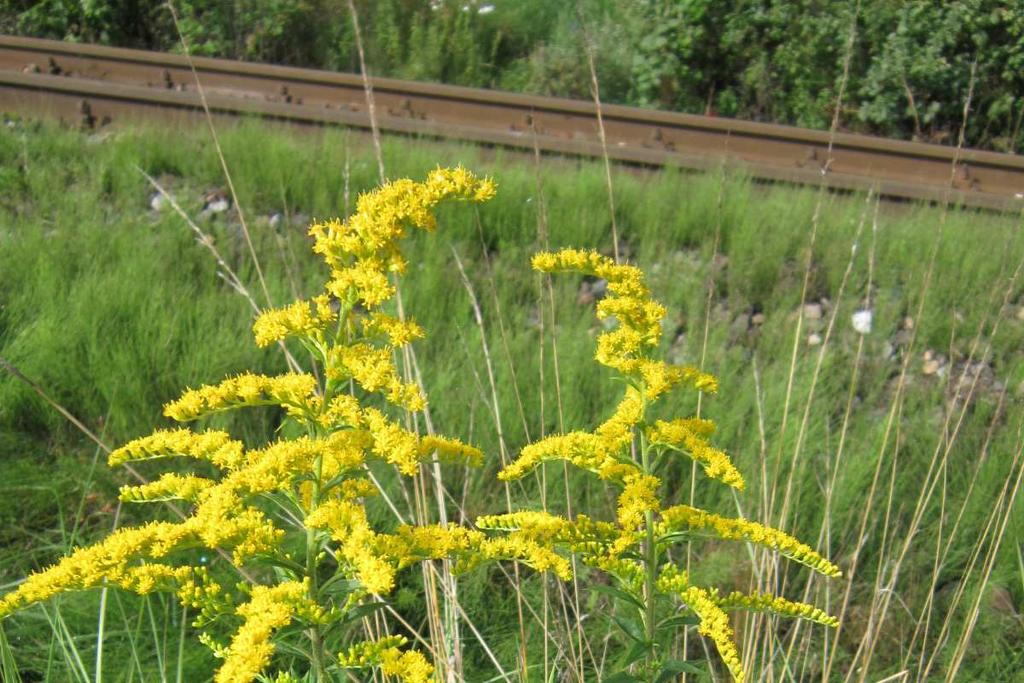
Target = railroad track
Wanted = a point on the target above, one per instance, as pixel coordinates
(91, 85)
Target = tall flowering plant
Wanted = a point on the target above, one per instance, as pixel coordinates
(628, 451)
(290, 514)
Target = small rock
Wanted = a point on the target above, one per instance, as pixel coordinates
(902, 338)
(888, 350)
(757, 319)
(216, 202)
(862, 321)
(274, 220)
(813, 339)
(908, 323)
(158, 202)
(812, 311)
(599, 288)
(1020, 313)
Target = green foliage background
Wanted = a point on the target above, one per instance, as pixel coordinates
(767, 60)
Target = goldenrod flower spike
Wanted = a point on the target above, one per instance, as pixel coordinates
(169, 486)
(296, 393)
(269, 609)
(212, 446)
(363, 250)
(714, 624)
(765, 602)
(685, 518)
(302, 319)
(408, 665)
(127, 558)
(685, 435)
(586, 451)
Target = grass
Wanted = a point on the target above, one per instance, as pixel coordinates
(113, 308)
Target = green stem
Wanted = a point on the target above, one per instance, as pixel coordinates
(650, 556)
(312, 562)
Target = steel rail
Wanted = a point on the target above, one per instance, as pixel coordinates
(92, 84)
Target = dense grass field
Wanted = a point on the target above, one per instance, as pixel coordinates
(896, 451)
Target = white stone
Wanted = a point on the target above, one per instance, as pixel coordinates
(813, 339)
(157, 201)
(218, 205)
(862, 321)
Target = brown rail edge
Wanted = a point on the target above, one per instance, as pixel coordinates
(91, 85)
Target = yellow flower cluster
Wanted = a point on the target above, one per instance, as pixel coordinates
(623, 349)
(714, 622)
(398, 332)
(584, 450)
(348, 525)
(115, 559)
(765, 602)
(686, 434)
(211, 446)
(541, 526)
(639, 496)
(374, 370)
(269, 609)
(169, 486)
(682, 518)
(296, 393)
(408, 666)
(302, 319)
(450, 450)
(363, 250)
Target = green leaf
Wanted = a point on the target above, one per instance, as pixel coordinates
(678, 620)
(359, 611)
(631, 627)
(619, 594)
(620, 677)
(672, 667)
(638, 651)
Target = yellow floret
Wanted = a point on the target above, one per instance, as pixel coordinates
(213, 446)
(269, 609)
(169, 486)
(302, 318)
(683, 435)
(638, 497)
(294, 392)
(408, 666)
